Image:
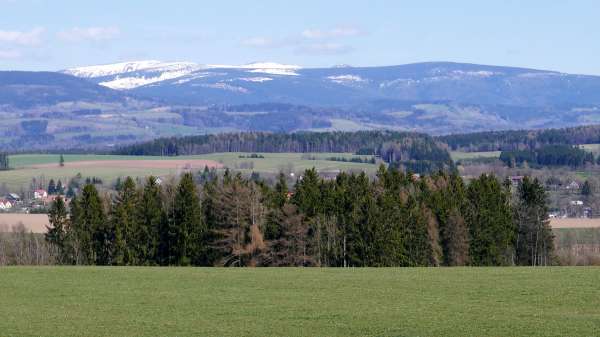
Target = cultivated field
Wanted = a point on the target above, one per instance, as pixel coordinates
(89, 301)
(110, 167)
(33, 222)
(575, 223)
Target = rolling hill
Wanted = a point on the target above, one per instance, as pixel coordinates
(131, 101)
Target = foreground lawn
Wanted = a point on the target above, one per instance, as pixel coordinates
(73, 301)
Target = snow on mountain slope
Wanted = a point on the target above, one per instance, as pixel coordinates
(134, 66)
(263, 68)
(130, 75)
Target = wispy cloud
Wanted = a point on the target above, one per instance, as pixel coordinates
(259, 42)
(78, 34)
(9, 54)
(310, 41)
(337, 32)
(23, 38)
(328, 48)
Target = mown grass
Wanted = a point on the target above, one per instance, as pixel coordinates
(459, 155)
(92, 301)
(22, 175)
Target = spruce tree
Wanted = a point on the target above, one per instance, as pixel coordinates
(124, 223)
(4, 164)
(93, 230)
(186, 229)
(60, 189)
(492, 232)
(535, 241)
(51, 187)
(57, 231)
(149, 212)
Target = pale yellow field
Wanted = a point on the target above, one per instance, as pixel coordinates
(575, 223)
(33, 222)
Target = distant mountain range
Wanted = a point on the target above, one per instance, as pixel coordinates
(132, 101)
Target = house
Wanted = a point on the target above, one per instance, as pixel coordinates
(516, 180)
(573, 186)
(40, 194)
(13, 198)
(5, 204)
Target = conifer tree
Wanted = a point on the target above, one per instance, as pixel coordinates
(187, 228)
(535, 241)
(51, 187)
(149, 213)
(491, 228)
(57, 231)
(60, 189)
(124, 224)
(94, 231)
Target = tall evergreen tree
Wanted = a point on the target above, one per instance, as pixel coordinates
(51, 187)
(94, 233)
(4, 164)
(186, 230)
(149, 211)
(57, 231)
(125, 224)
(491, 228)
(535, 241)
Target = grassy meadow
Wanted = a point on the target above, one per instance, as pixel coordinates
(112, 301)
(459, 155)
(23, 165)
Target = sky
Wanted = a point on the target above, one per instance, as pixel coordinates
(58, 34)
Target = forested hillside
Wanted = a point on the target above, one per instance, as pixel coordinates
(415, 151)
(521, 139)
(393, 220)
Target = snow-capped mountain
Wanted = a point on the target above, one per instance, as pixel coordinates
(155, 97)
(129, 75)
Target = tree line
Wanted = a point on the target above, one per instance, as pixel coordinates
(393, 219)
(4, 164)
(516, 140)
(549, 155)
(408, 149)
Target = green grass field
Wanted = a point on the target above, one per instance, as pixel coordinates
(459, 155)
(92, 301)
(21, 175)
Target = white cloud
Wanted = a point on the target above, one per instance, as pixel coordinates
(336, 32)
(325, 48)
(30, 38)
(9, 54)
(78, 34)
(258, 42)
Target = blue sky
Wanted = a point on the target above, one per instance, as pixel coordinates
(52, 35)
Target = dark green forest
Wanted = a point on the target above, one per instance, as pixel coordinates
(395, 219)
(515, 140)
(414, 151)
(548, 155)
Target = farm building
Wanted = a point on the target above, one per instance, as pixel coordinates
(5, 204)
(40, 194)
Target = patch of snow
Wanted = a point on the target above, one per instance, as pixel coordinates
(255, 79)
(128, 67)
(122, 83)
(264, 68)
(345, 79)
(540, 74)
(225, 86)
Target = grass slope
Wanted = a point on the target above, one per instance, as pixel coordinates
(90, 301)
